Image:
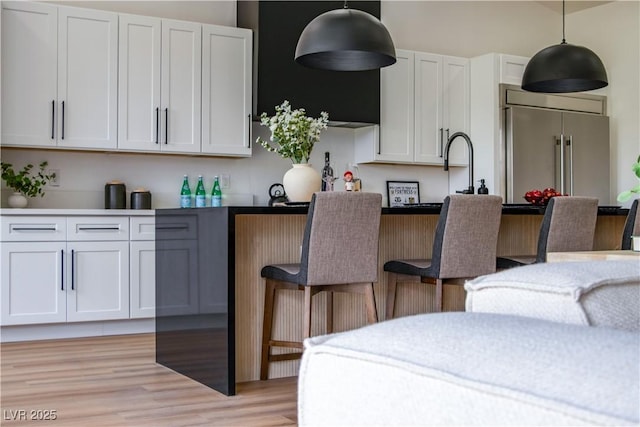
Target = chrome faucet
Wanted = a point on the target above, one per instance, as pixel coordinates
(469, 190)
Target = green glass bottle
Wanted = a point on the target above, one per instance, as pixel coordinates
(216, 193)
(201, 195)
(185, 194)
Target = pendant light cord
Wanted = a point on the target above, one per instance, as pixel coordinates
(563, 38)
(346, 6)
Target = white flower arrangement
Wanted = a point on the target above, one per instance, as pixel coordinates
(293, 134)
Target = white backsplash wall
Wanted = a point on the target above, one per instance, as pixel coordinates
(84, 174)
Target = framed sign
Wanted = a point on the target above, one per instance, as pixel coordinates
(400, 193)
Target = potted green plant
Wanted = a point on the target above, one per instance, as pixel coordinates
(25, 183)
(293, 136)
(628, 194)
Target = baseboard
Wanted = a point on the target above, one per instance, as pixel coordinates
(75, 330)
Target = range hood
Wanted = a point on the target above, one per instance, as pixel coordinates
(352, 98)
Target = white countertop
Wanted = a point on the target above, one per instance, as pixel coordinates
(83, 212)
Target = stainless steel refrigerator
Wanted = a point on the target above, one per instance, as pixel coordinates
(568, 151)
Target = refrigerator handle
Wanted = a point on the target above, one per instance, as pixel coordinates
(570, 171)
(559, 166)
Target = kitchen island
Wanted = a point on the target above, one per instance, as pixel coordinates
(209, 293)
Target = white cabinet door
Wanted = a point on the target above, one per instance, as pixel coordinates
(143, 279)
(428, 108)
(442, 107)
(455, 105)
(33, 283)
(181, 86)
(87, 78)
(139, 83)
(397, 110)
(423, 98)
(29, 79)
(98, 281)
(512, 68)
(226, 90)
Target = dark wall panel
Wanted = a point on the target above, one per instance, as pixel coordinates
(346, 96)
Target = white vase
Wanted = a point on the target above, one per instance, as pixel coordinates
(300, 182)
(18, 200)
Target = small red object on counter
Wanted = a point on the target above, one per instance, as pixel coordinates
(542, 197)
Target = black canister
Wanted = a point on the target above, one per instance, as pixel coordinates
(115, 195)
(140, 199)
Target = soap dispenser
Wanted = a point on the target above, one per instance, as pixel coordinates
(483, 188)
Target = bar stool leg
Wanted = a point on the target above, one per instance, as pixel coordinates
(391, 295)
(370, 299)
(329, 313)
(438, 295)
(267, 324)
(307, 311)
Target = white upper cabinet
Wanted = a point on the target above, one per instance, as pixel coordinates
(59, 76)
(397, 110)
(456, 90)
(87, 78)
(423, 98)
(395, 143)
(512, 69)
(29, 73)
(160, 85)
(441, 106)
(181, 87)
(226, 90)
(139, 83)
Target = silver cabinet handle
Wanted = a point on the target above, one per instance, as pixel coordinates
(98, 228)
(33, 229)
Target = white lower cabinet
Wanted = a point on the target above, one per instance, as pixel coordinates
(142, 277)
(97, 282)
(33, 283)
(76, 269)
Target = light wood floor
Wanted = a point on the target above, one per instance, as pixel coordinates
(114, 381)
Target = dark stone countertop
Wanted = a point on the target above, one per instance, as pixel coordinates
(423, 209)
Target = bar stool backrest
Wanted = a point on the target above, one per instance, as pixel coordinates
(340, 243)
(631, 225)
(466, 237)
(569, 224)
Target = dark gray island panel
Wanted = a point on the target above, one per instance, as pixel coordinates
(194, 299)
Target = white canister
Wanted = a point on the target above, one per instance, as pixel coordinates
(635, 243)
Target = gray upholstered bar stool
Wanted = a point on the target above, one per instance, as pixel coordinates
(339, 254)
(464, 246)
(631, 226)
(569, 224)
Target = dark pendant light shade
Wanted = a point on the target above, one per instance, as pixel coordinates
(345, 40)
(564, 68)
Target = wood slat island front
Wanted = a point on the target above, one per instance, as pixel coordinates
(257, 236)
